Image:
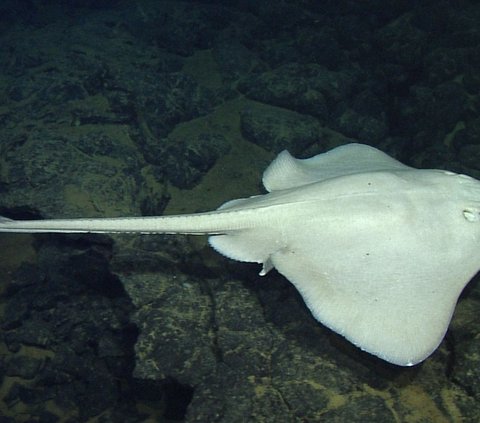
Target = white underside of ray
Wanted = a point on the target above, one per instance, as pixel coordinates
(378, 250)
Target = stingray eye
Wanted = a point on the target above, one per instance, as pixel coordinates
(472, 215)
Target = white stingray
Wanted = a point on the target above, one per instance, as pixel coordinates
(378, 250)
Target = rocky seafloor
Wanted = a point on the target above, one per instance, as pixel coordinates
(120, 108)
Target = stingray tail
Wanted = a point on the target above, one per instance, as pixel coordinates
(209, 223)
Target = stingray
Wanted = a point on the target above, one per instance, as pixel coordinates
(378, 250)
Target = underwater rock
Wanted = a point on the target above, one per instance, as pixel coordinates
(310, 89)
(276, 129)
(186, 161)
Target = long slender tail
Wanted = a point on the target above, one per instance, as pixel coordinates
(215, 222)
